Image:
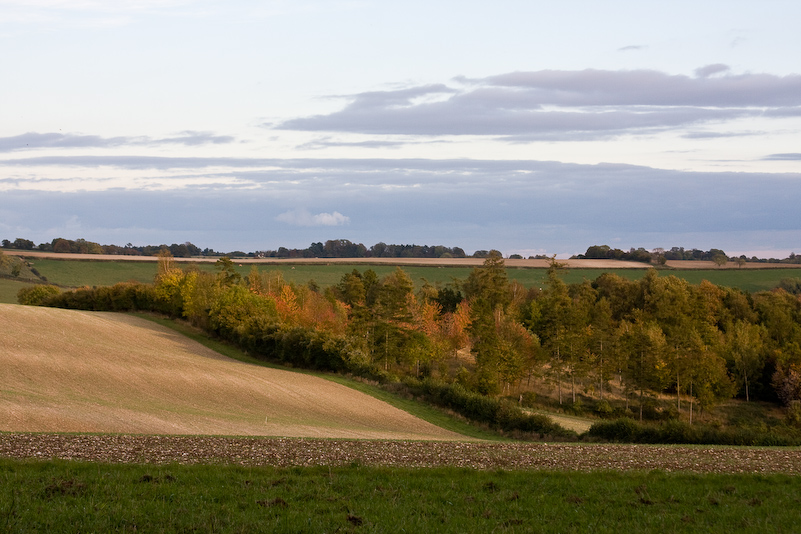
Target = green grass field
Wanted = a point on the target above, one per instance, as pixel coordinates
(58, 496)
(74, 273)
(9, 289)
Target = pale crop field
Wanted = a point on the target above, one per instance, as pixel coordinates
(73, 371)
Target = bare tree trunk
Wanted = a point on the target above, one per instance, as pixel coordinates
(559, 375)
(559, 384)
(641, 394)
(745, 376)
(573, 385)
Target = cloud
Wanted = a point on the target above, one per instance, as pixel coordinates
(711, 70)
(631, 48)
(784, 157)
(718, 135)
(555, 104)
(35, 140)
(328, 142)
(300, 217)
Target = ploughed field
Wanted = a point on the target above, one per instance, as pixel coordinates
(90, 372)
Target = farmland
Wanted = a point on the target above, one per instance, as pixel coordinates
(65, 371)
(87, 270)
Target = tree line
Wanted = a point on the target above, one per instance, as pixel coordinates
(659, 256)
(343, 248)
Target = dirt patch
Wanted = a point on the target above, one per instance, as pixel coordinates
(71, 371)
(577, 424)
(309, 452)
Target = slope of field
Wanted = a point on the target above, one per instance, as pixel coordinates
(70, 371)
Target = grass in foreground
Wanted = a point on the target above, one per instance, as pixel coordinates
(418, 409)
(58, 496)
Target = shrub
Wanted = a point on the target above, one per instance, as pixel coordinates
(36, 295)
(528, 399)
(500, 414)
(603, 408)
(630, 431)
(625, 430)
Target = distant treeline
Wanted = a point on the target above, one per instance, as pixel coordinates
(82, 246)
(660, 255)
(343, 248)
(333, 248)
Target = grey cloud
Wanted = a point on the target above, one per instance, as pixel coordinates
(563, 104)
(717, 135)
(653, 88)
(631, 47)
(328, 142)
(136, 162)
(193, 138)
(784, 157)
(35, 140)
(711, 70)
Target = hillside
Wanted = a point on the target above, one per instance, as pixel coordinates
(69, 371)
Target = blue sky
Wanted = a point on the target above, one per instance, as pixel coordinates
(531, 127)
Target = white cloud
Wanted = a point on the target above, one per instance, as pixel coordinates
(301, 217)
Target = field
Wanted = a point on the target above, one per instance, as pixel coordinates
(68, 371)
(68, 271)
(85, 497)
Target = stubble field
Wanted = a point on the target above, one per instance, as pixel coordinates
(71, 371)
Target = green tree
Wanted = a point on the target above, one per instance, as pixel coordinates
(744, 345)
(554, 320)
(228, 276)
(646, 346)
(487, 290)
(393, 338)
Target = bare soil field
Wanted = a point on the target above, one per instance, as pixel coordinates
(72, 371)
(285, 452)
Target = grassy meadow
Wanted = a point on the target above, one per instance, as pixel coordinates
(59, 496)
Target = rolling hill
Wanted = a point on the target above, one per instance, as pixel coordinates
(72, 371)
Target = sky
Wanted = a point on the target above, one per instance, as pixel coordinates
(530, 127)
